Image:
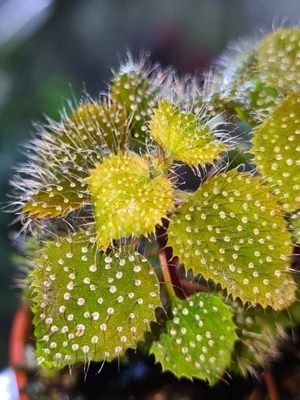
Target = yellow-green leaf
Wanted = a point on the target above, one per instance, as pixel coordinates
(135, 90)
(279, 59)
(58, 198)
(276, 149)
(90, 306)
(127, 200)
(183, 137)
(233, 232)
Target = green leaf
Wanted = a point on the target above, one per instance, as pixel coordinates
(127, 200)
(276, 149)
(58, 198)
(102, 126)
(183, 137)
(233, 232)
(238, 86)
(199, 339)
(135, 90)
(294, 224)
(260, 332)
(88, 305)
(279, 59)
(64, 154)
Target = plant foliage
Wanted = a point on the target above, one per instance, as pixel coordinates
(103, 190)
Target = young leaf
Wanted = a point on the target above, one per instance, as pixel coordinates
(199, 339)
(233, 232)
(88, 305)
(135, 90)
(102, 126)
(127, 201)
(279, 59)
(276, 149)
(183, 137)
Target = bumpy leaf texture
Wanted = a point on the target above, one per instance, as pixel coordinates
(233, 232)
(183, 137)
(135, 90)
(63, 155)
(276, 149)
(127, 200)
(279, 59)
(90, 306)
(199, 339)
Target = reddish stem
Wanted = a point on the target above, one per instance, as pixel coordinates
(171, 262)
(270, 385)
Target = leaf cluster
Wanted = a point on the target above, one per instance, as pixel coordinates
(102, 184)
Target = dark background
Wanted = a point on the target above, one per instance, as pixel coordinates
(50, 51)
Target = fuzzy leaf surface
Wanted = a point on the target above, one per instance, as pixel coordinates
(183, 137)
(279, 59)
(199, 338)
(127, 201)
(103, 126)
(58, 198)
(90, 306)
(233, 232)
(240, 88)
(133, 89)
(65, 152)
(276, 149)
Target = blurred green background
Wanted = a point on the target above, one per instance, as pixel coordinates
(51, 51)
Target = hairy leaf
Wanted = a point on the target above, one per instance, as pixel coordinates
(101, 126)
(63, 155)
(233, 232)
(133, 89)
(260, 331)
(276, 149)
(183, 137)
(199, 339)
(90, 306)
(127, 201)
(279, 59)
(295, 226)
(58, 198)
(239, 87)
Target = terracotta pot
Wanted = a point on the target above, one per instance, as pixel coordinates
(19, 337)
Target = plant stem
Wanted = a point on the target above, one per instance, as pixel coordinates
(166, 273)
(270, 385)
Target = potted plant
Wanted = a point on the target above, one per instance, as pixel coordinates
(123, 253)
